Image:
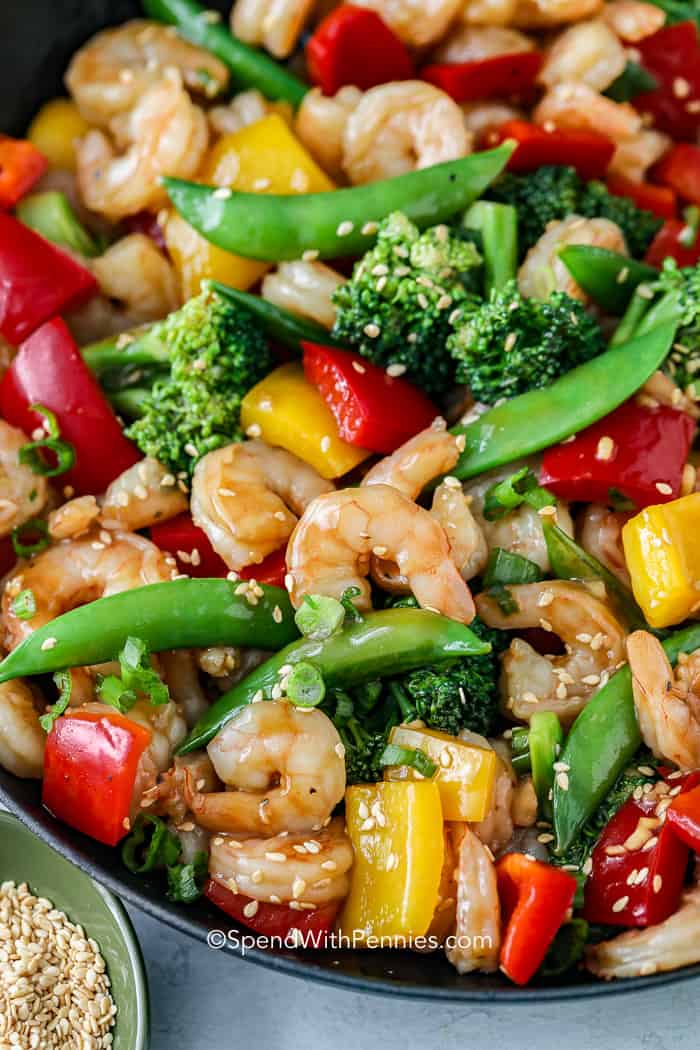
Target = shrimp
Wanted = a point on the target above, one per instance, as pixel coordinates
(432, 452)
(468, 546)
(543, 14)
(635, 155)
(142, 496)
(668, 945)
(284, 770)
(576, 106)
(181, 674)
(320, 124)
(73, 518)
(400, 127)
(110, 74)
(244, 109)
(588, 53)
(23, 493)
(242, 495)
(543, 272)
(331, 546)
(601, 536)
(73, 572)
(275, 24)
(166, 798)
(472, 43)
(594, 642)
(165, 134)
(139, 277)
(478, 931)
(661, 389)
(496, 829)
(305, 289)
(633, 20)
(21, 736)
(489, 12)
(304, 869)
(480, 118)
(417, 22)
(667, 702)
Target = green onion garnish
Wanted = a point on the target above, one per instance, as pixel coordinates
(509, 494)
(506, 567)
(64, 684)
(319, 617)
(305, 686)
(33, 454)
(395, 755)
(22, 542)
(24, 605)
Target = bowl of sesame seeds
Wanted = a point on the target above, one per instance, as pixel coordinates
(71, 972)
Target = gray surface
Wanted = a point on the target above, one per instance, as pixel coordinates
(202, 1000)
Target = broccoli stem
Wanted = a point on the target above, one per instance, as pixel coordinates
(631, 319)
(142, 350)
(129, 402)
(498, 226)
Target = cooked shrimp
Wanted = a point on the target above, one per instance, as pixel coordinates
(400, 127)
(667, 702)
(633, 20)
(496, 829)
(633, 157)
(22, 492)
(167, 796)
(478, 931)
(303, 868)
(274, 24)
(577, 107)
(489, 12)
(181, 674)
(660, 389)
(320, 124)
(244, 109)
(417, 22)
(142, 496)
(305, 289)
(480, 118)
(283, 768)
(331, 546)
(594, 647)
(601, 536)
(166, 134)
(543, 14)
(588, 53)
(135, 274)
(543, 272)
(73, 518)
(468, 546)
(472, 43)
(432, 452)
(219, 660)
(110, 74)
(74, 572)
(21, 737)
(242, 495)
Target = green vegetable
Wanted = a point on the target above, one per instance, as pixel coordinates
(352, 613)
(395, 296)
(609, 278)
(250, 68)
(33, 454)
(505, 567)
(497, 225)
(186, 881)
(507, 495)
(64, 683)
(216, 353)
(180, 614)
(413, 757)
(679, 10)
(319, 616)
(633, 80)
(566, 950)
(24, 605)
(305, 686)
(137, 678)
(511, 344)
(545, 740)
(690, 232)
(273, 228)
(51, 215)
(384, 644)
(677, 301)
(279, 325)
(30, 538)
(541, 418)
(602, 741)
(151, 846)
(520, 750)
(134, 351)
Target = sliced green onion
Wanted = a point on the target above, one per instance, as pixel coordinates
(633, 80)
(511, 493)
(64, 684)
(414, 757)
(24, 605)
(503, 598)
(506, 567)
(50, 422)
(520, 750)
(689, 234)
(319, 617)
(24, 547)
(33, 453)
(305, 686)
(110, 690)
(150, 846)
(352, 614)
(137, 675)
(186, 881)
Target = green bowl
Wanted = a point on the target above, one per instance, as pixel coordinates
(25, 858)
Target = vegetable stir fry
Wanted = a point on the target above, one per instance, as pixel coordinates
(348, 511)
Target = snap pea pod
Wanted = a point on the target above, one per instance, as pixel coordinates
(180, 614)
(250, 68)
(603, 739)
(382, 644)
(608, 277)
(281, 325)
(540, 418)
(339, 223)
(545, 738)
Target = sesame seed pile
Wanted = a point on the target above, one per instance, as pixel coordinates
(54, 992)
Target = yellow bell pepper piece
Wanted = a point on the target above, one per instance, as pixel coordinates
(285, 409)
(396, 831)
(662, 552)
(195, 260)
(54, 130)
(465, 772)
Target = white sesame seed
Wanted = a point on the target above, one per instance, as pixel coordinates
(254, 430)
(620, 904)
(664, 488)
(395, 370)
(345, 228)
(358, 367)
(372, 331)
(251, 909)
(605, 449)
(49, 643)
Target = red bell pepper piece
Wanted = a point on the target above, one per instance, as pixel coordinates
(180, 536)
(661, 200)
(501, 76)
(90, 767)
(37, 281)
(648, 448)
(587, 151)
(21, 165)
(535, 901)
(49, 371)
(680, 169)
(672, 56)
(683, 815)
(274, 920)
(666, 245)
(353, 45)
(8, 557)
(372, 409)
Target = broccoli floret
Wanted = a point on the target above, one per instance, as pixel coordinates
(512, 344)
(683, 285)
(396, 309)
(363, 751)
(216, 354)
(554, 192)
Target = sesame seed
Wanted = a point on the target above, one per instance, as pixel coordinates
(372, 331)
(395, 370)
(605, 449)
(359, 368)
(251, 909)
(275, 857)
(345, 228)
(681, 87)
(222, 193)
(510, 341)
(325, 443)
(656, 883)
(664, 488)
(369, 229)
(298, 887)
(563, 781)
(620, 904)
(253, 431)
(49, 643)
(310, 255)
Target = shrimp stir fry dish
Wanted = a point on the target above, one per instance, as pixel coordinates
(348, 471)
